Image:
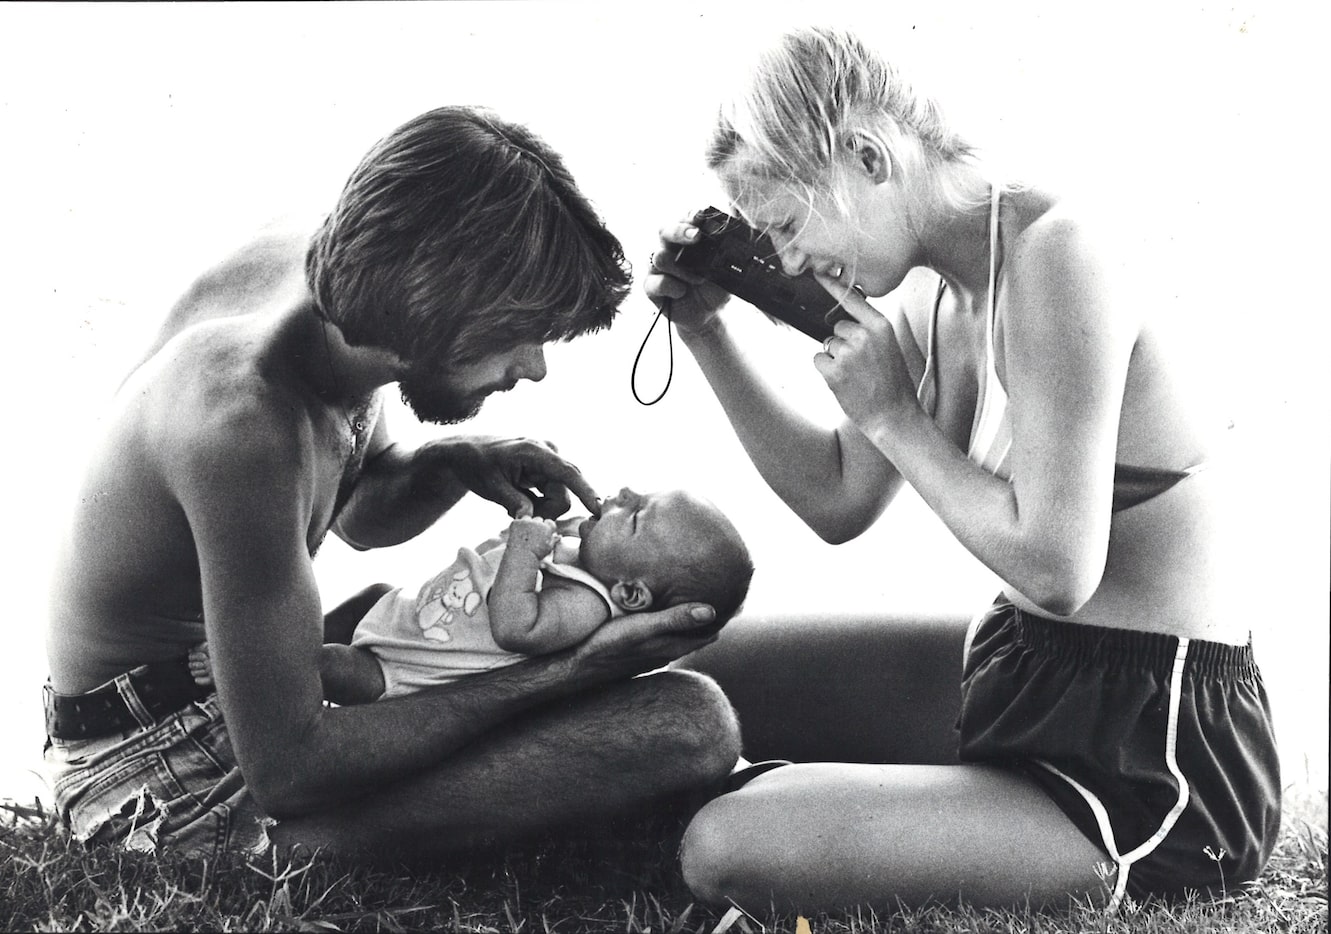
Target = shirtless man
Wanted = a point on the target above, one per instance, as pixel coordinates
(252, 428)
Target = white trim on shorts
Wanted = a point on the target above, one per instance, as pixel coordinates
(1125, 861)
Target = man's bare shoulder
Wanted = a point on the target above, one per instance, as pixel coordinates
(207, 397)
(260, 266)
(267, 271)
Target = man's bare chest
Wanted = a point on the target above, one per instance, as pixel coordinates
(344, 456)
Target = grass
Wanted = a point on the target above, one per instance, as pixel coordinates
(623, 881)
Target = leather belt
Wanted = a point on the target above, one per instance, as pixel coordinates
(161, 689)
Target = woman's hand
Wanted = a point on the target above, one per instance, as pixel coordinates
(863, 363)
(694, 301)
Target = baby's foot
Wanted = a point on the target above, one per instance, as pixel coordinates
(201, 666)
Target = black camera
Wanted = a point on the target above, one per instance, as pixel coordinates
(744, 262)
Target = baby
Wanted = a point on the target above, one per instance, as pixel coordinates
(534, 591)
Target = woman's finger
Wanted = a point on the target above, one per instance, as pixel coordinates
(681, 233)
(851, 299)
(663, 266)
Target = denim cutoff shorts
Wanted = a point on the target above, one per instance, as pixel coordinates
(170, 785)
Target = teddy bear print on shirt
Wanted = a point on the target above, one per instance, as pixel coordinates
(440, 605)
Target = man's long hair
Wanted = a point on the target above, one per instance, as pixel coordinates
(461, 234)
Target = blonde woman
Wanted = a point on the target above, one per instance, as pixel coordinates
(1113, 735)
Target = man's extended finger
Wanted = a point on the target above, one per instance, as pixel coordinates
(579, 487)
(556, 469)
(552, 501)
(567, 478)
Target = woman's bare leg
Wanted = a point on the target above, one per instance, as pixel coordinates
(842, 688)
(870, 689)
(832, 835)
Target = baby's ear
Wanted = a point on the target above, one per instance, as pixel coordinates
(631, 596)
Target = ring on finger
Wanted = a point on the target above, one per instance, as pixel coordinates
(827, 345)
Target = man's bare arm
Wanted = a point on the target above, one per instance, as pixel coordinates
(243, 482)
(401, 492)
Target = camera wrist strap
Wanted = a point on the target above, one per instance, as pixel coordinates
(662, 310)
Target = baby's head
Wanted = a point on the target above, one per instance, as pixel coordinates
(656, 550)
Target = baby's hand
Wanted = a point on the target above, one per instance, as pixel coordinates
(535, 535)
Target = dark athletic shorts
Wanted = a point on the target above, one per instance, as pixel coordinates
(1160, 749)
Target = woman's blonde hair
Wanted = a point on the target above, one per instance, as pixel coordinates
(815, 96)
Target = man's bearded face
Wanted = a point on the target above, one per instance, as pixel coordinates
(432, 398)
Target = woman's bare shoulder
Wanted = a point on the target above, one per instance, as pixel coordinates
(1048, 224)
(1065, 271)
(1062, 245)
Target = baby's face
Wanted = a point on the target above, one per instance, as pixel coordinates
(638, 535)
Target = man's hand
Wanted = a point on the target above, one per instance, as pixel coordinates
(629, 645)
(528, 478)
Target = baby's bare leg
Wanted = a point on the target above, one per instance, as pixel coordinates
(340, 622)
(349, 675)
(201, 665)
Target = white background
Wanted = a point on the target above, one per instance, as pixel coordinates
(143, 141)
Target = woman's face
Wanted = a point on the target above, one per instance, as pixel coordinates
(869, 247)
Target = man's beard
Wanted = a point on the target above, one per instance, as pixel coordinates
(430, 401)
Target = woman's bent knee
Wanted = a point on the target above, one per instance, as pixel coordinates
(713, 852)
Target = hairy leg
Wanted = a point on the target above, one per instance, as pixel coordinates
(595, 756)
(862, 688)
(834, 835)
(349, 675)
